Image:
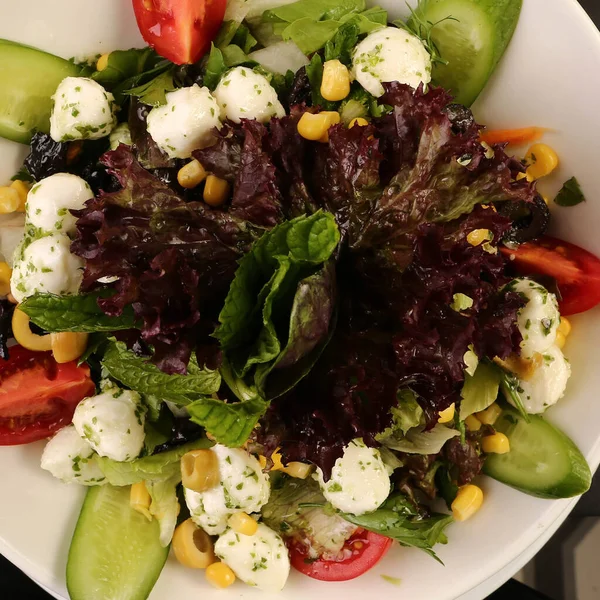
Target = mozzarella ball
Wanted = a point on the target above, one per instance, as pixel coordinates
(82, 110)
(113, 423)
(260, 560)
(243, 487)
(71, 458)
(186, 122)
(45, 265)
(548, 383)
(244, 94)
(390, 54)
(359, 480)
(539, 319)
(49, 202)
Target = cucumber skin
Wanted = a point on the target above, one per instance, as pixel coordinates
(505, 16)
(81, 589)
(577, 482)
(49, 78)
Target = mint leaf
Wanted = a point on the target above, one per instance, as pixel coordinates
(124, 64)
(142, 376)
(215, 68)
(74, 313)
(154, 91)
(480, 390)
(398, 519)
(229, 424)
(571, 194)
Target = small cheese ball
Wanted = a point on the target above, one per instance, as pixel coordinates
(50, 200)
(390, 54)
(113, 423)
(186, 122)
(71, 458)
(82, 110)
(244, 94)
(45, 265)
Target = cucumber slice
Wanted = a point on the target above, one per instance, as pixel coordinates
(28, 78)
(472, 42)
(542, 461)
(115, 553)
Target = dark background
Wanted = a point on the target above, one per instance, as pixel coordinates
(17, 586)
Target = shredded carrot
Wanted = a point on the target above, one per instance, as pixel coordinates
(515, 137)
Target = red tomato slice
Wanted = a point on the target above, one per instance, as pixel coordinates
(364, 550)
(37, 395)
(180, 30)
(576, 270)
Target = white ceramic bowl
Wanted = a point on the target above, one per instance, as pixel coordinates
(550, 76)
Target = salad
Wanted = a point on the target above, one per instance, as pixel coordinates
(272, 293)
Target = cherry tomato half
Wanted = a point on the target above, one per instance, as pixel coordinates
(37, 395)
(576, 270)
(180, 30)
(363, 550)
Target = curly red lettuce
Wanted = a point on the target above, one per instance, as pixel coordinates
(173, 261)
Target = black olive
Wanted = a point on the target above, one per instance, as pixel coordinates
(530, 219)
(46, 157)
(460, 116)
(300, 92)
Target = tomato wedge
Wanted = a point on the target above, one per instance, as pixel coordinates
(576, 270)
(361, 552)
(180, 30)
(37, 395)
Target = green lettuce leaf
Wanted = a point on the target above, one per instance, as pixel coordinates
(406, 416)
(418, 441)
(74, 313)
(398, 519)
(153, 92)
(164, 506)
(280, 304)
(480, 390)
(142, 376)
(125, 64)
(158, 467)
(296, 510)
(570, 194)
(314, 9)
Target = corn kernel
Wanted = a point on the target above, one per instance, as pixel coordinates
(140, 500)
(5, 274)
(102, 62)
(565, 326)
(216, 191)
(22, 188)
(9, 200)
(191, 175)
(497, 443)
(527, 176)
(335, 84)
(192, 546)
(243, 524)
(220, 575)
(561, 340)
(298, 470)
(263, 461)
(447, 415)
(315, 127)
(276, 458)
(473, 423)
(490, 415)
(359, 122)
(479, 236)
(542, 160)
(467, 502)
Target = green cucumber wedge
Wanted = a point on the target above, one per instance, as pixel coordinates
(542, 461)
(115, 553)
(472, 41)
(28, 79)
